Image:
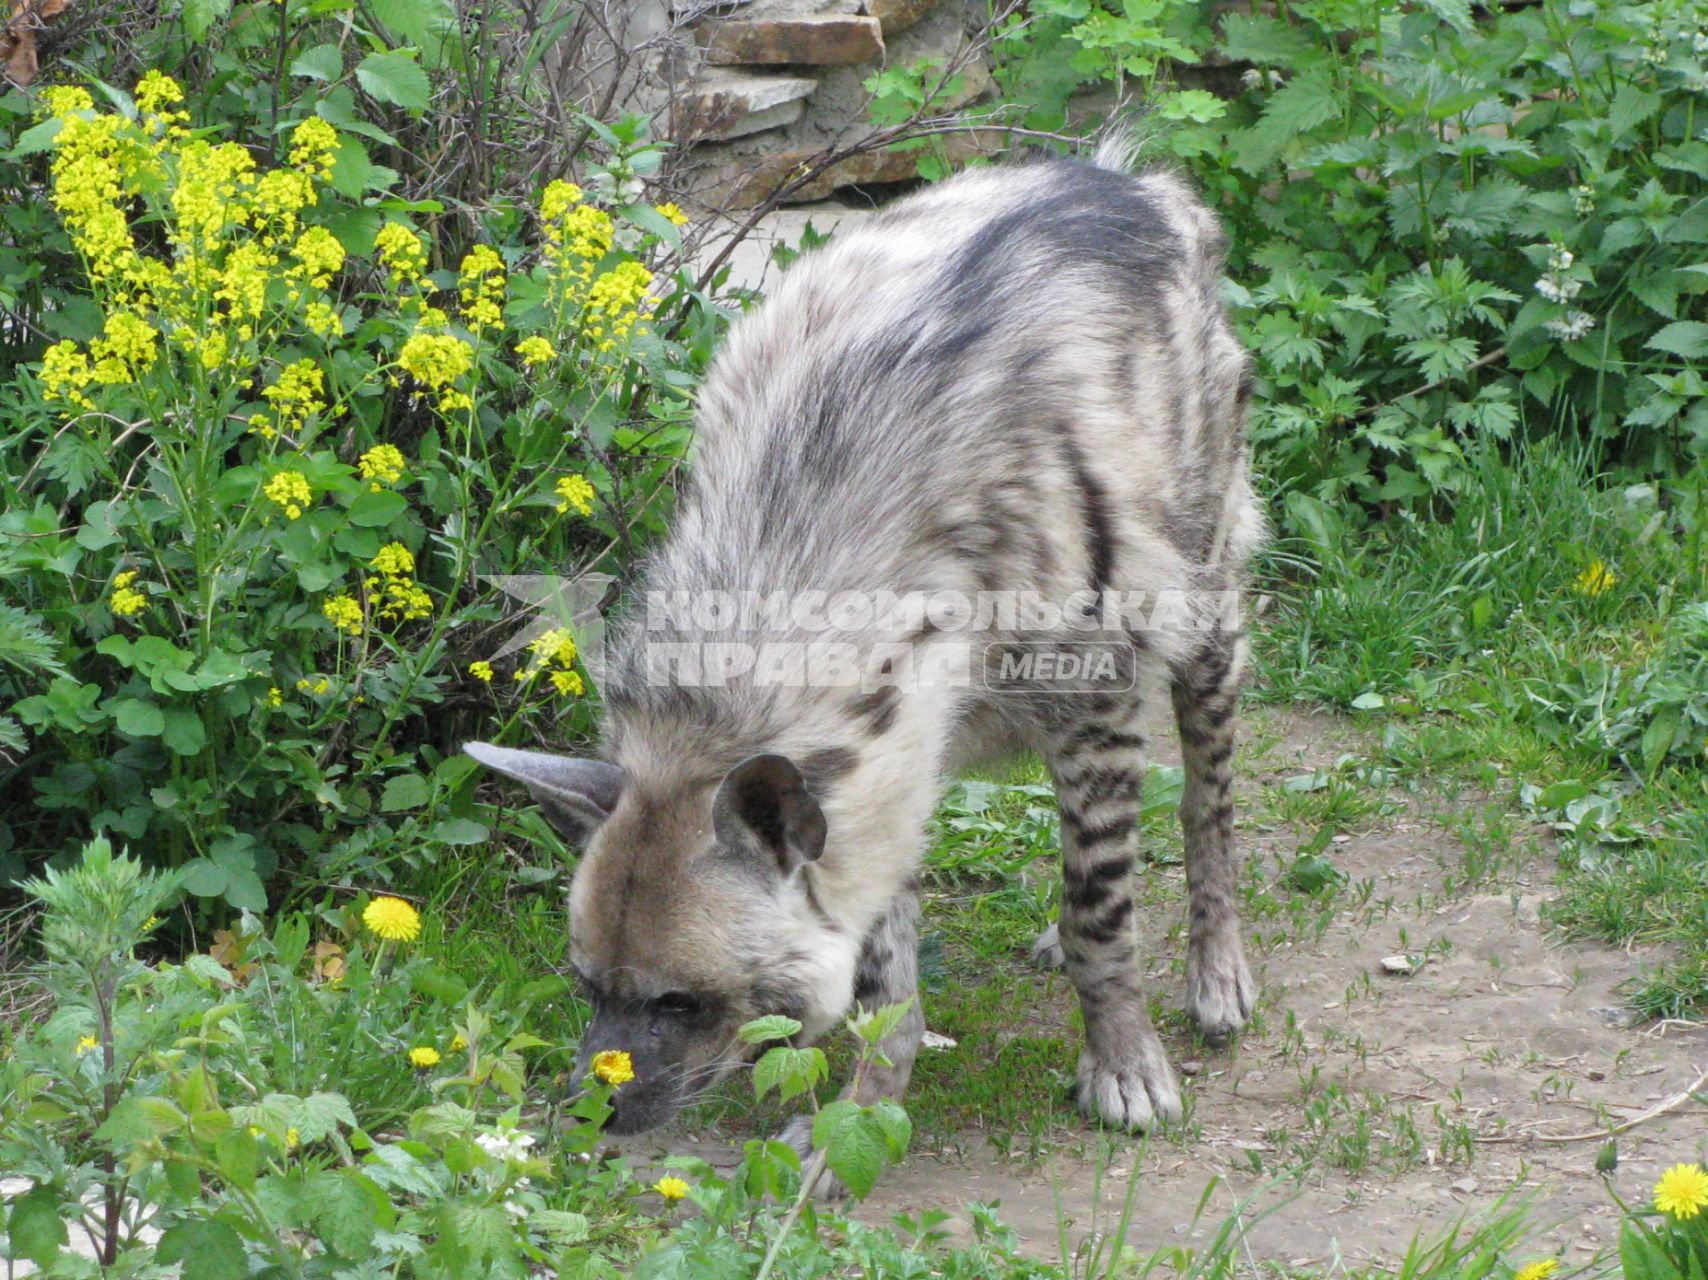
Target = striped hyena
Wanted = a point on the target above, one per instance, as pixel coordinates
(1018, 385)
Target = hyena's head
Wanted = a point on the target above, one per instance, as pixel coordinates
(691, 912)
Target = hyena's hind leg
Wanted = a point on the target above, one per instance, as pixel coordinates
(1219, 990)
(1098, 767)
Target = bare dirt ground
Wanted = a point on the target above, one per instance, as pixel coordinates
(1375, 1104)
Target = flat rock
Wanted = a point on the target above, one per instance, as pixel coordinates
(730, 104)
(899, 15)
(747, 183)
(820, 40)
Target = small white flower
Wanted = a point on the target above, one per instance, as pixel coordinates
(505, 1144)
(1654, 55)
(1251, 78)
(1700, 43)
(1574, 325)
(1583, 198)
(1561, 259)
(515, 1210)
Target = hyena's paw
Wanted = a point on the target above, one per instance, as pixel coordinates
(1220, 994)
(1136, 1094)
(1047, 951)
(798, 1134)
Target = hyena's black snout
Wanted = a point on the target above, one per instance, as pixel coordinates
(645, 1078)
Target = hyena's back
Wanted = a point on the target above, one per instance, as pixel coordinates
(1021, 379)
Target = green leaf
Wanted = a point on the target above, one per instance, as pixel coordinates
(323, 62)
(137, 1119)
(1630, 107)
(459, 831)
(1658, 738)
(774, 1027)
(371, 510)
(200, 15)
(1687, 338)
(410, 20)
(207, 1247)
(790, 1071)
(855, 1144)
(562, 1225)
(320, 1114)
(406, 791)
(37, 1231)
(206, 878)
(139, 718)
(396, 78)
(183, 731)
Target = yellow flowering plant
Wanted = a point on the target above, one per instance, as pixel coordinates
(297, 435)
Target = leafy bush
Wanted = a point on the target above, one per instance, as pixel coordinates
(254, 498)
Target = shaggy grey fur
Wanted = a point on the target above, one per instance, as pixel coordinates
(1018, 380)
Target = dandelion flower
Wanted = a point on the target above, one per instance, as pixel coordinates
(423, 1056)
(481, 671)
(673, 1188)
(1538, 1270)
(1682, 1191)
(1595, 580)
(392, 919)
(672, 213)
(85, 1044)
(613, 1066)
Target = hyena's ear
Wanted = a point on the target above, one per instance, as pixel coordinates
(764, 806)
(575, 795)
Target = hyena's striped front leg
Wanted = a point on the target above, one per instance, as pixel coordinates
(887, 974)
(1124, 1075)
(1219, 989)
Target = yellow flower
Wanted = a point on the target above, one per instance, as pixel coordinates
(275, 699)
(394, 560)
(85, 1044)
(292, 1139)
(481, 671)
(290, 490)
(1682, 1191)
(615, 302)
(671, 1187)
(392, 919)
(400, 599)
(568, 683)
(66, 100)
(458, 1044)
(613, 1066)
(384, 463)
(314, 143)
(65, 372)
(1595, 579)
(319, 255)
(1538, 1270)
(556, 645)
(557, 199)
(344, 612)
(574, 491)
(423, 1056)
(125, 348)
(127, 601)
(296, 395)
(436, 360)
(481, 288)
(672, 213)
(323, 320)
(535, 350)
(403, 253)
(320, 685)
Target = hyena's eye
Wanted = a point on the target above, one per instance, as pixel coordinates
(678, 1004)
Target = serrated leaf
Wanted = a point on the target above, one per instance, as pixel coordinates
(1687, 338)
(320, 1114)
(855, 1145)
(207, 1248)
(139, 1119)
(1629, 108)
(406, 791)
(200, 15)
(409, 20)
(772, 1027)
(396, 78)
(323, 62)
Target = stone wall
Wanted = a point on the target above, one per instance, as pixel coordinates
(758, 89)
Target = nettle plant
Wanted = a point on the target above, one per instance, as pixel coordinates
(1448, 230)
(251, 508)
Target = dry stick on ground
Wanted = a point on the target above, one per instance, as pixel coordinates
(1692, 1093)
